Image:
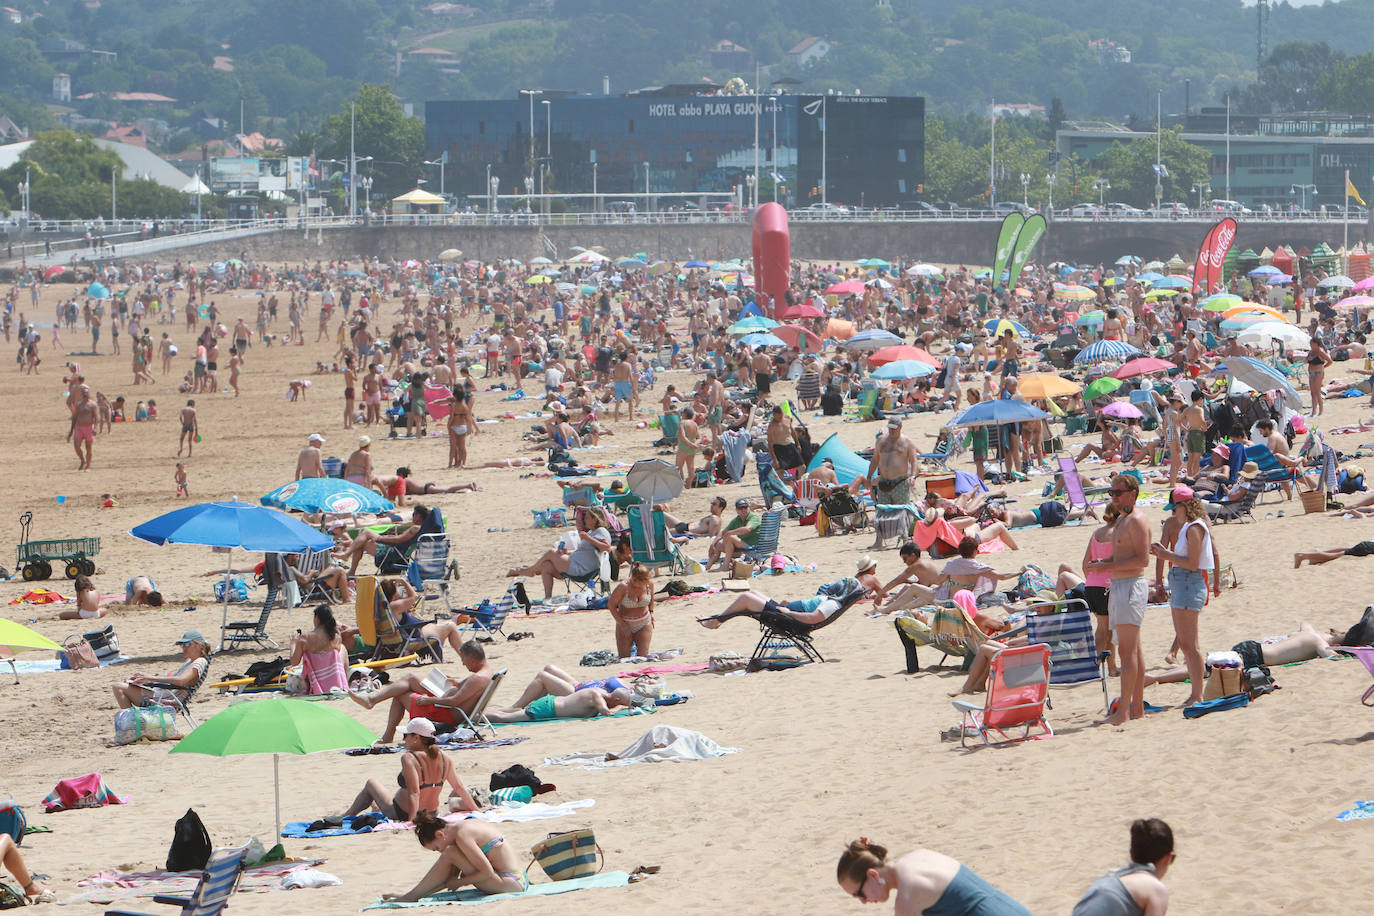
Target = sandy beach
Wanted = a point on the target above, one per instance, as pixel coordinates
(826, 752)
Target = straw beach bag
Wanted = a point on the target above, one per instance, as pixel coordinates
(568, 855)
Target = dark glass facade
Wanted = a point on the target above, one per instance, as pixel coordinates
(873, 154)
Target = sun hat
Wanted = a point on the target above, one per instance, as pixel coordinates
(864, 564)
(420, 726)
(316, 437)
(364, 441)
(1249, 470)
(191, 636)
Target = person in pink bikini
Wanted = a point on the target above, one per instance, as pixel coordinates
(321, 654)
(1093, 588)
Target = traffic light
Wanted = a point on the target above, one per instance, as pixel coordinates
(920, 188)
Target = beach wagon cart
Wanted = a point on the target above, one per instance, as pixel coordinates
(37, 559)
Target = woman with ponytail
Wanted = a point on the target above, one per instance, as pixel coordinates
(471, 852)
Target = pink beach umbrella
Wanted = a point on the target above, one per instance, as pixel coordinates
(1122, 410)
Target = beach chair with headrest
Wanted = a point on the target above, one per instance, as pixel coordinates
(1239, 510)
(255, 631)
(179, 698)
(1074, 490)
(771, 483)
(1273, 475)
(317, 561)
(217, 884)
(784, 637)
(950, 632)
(429, 570)
(1067, 628)
(649, 541)
(1018, 685)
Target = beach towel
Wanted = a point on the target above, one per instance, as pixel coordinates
(471, 896)
(454, 745)
(662, 743)
(662, 669)
(40, 596)
(1363, 811)
(501, 814)
(112, 887)
(87, 791)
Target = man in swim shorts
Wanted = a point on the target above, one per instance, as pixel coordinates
(85, 415)
(586, 703)
(1127, 594)
(623, 374)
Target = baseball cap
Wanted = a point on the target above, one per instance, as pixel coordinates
(1180, 494)
(742, 503)
(191, 636)
(894, 423)
(316, 437)
(420, 726)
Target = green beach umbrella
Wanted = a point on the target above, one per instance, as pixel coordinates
(1099, 387)
(17, 636)
(276, 727)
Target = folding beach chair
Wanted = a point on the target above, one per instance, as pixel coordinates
(478, 718)
(317, 561)
(839, 510)
(866, 408)
(770, 526)
(217, 884)
(1366, 656)
(255, 631)
(1074, 491)
(1068, 632)
(394, 559)
(668, 424)
(650, 543)
(772, 484)
(1272, 473)
(806, 493)
(179, 698)
(786, 638)
(488, 619)
(951, 632)
(1239, 511)
(1018, 685)
(429, 570)
(949, 446)
(394, 639)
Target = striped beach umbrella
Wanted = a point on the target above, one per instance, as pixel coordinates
(1106, 351)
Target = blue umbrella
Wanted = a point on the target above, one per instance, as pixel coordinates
(1106, 351)
(354, 273)
(696, 264)
(1279, 279)
(999, 325)
(1150, 276)
(631, 262)
(232, 524)
(763, 339)
(1264, 270)
(904, 369)
(1172, 283)
(1260, 376)
(98, 291)
(751, 324)
(327, 494)
(872, 339)
(995, 413)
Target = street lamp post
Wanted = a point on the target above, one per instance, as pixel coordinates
(529, 190)
(440, 163)
(1103, 186)
(1303, 189)
(366, 183)
(487, 187)
(1025, 190)
(531, 93)
(1200, 188)
(1050, 178)
(646, 184)
(24, 196)
(548, 150)
(493, 187)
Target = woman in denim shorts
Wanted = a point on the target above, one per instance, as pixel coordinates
(1193, 558)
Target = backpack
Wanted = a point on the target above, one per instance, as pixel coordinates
(13, 821)
(190, 844)
(1052, 514)
(1257, 681)
(1362, 633)
(517, 775)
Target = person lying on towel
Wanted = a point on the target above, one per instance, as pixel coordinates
(587, 703)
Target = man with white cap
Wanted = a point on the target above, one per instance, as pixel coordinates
(310, 463)
(895, 461)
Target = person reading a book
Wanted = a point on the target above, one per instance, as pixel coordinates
(435, 696)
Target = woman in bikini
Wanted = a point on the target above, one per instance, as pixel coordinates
(461, 424)
(471, 852)
(87, 602)
(425, 768)
(1317, 362)
(687, 447)
(321, 652)
(632, 607)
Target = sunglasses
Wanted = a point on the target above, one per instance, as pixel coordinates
(1117, 491)
(859, 894)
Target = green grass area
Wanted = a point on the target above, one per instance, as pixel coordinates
(458, 39)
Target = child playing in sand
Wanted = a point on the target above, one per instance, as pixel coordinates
(180, 477)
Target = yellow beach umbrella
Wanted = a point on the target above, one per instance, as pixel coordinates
(1047, 385)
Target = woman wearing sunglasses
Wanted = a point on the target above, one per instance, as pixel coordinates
(924, 881)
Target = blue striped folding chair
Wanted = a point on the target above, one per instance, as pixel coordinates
(1066, 627)
(217, 884)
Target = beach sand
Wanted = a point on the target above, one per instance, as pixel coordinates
(827, 752)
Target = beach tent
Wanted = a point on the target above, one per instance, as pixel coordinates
(848, 464)
(1283, 259)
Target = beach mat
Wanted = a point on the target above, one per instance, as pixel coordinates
(1363, 811)
(513, 813)
(472, 896)
(446, 745)
(112, 887)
